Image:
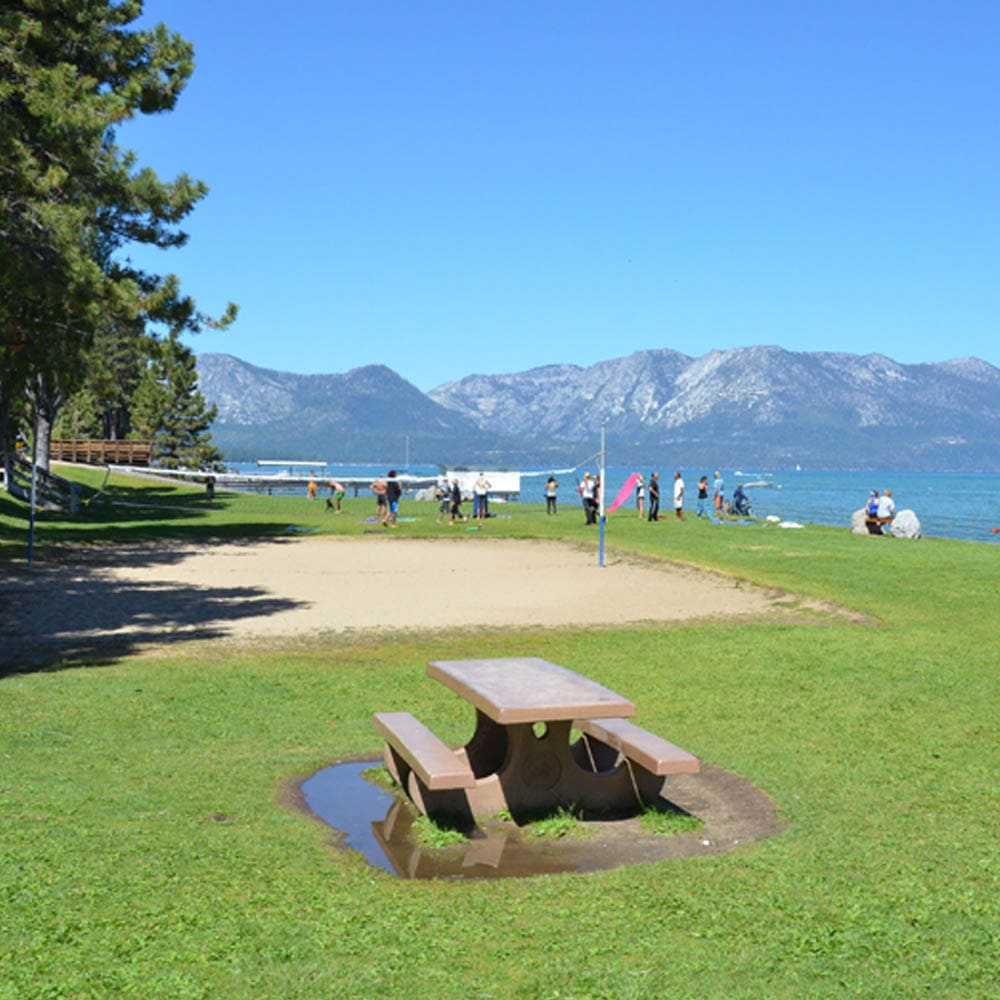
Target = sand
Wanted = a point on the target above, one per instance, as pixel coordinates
(154, 593)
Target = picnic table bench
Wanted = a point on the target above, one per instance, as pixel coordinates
(876, 524)
(521, 756)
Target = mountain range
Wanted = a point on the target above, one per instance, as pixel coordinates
(761, 406)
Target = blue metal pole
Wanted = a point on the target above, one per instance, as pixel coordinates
(600, 500)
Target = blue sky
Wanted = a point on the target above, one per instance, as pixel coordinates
(450, 188)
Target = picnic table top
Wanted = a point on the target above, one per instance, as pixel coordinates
(528, 689)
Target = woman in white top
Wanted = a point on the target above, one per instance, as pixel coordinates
(480, 491)
(640, 494)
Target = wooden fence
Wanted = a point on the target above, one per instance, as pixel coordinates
(102, 452)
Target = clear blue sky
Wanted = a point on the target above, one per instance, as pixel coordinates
(460, 187)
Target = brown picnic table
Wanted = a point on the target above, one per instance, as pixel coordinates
(521, 756)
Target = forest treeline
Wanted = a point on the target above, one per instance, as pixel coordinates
(91, 343)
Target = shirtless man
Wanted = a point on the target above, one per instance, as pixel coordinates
(336, 495)
(380, 487)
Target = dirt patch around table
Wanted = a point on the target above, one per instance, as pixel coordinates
(378, 824)
(97, 602)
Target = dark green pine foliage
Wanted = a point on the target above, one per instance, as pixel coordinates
(111, 371)
(169, 408)
(71, 199)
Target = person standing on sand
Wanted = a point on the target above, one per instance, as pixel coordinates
(679, 496)
(654, 496)
(379, 488)
(393, 492)
(702, 495)
(719, 492)
(551, 487)
(640, 494)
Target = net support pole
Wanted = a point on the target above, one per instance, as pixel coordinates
(600, 500)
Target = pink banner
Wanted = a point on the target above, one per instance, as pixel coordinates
(624, 492)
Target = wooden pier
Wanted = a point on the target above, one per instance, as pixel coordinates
(102, 452)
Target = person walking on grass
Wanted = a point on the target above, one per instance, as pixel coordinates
(702, 495)
(654, 496)
(456, 502)
(393, 491)
(379, 488)
(551, 493)
(678, 496)
(443, 495)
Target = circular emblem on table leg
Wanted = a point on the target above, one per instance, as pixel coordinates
(541, 770)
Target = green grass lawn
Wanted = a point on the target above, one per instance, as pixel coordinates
(145, 850)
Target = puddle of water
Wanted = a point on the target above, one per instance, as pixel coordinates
(343, 799)
(379, 825)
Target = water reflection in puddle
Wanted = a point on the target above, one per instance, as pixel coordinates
(343, 799)
(379, 826)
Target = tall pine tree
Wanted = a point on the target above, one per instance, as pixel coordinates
(71, 199)
(169, 408)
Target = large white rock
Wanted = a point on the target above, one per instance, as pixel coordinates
(905, 525)
(858, 526)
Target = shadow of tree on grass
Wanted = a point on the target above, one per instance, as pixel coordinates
(75, 611)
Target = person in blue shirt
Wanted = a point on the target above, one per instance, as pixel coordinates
(741, 503)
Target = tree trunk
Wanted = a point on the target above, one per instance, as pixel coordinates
(6, 444)
(46, 399)
(43, 441)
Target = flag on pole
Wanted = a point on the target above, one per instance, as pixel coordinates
(624, 492)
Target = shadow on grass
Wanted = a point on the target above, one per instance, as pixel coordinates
(72, 610)
(185, 517)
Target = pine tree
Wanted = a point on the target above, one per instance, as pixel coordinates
(181, 430)
(70, 198)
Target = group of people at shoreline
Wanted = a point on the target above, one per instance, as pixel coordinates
(647, 496)
(449, 497)
(388, 492)
(711, 498)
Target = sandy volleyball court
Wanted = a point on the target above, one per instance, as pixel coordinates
(303, 586)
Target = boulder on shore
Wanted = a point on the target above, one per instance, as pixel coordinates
(905, 525)
(858, 526)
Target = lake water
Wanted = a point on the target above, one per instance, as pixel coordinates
(949, 505)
